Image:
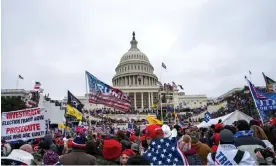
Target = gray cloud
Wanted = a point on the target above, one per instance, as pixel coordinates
(208, 46)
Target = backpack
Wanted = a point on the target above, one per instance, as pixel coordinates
(237, 158)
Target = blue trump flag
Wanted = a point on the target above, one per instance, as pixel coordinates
(207, 117)
(164, 151)
(263, 101)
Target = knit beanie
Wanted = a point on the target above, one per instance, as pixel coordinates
(195, 136)
(128, 152)
(226, 136)
(154, 131)
(184, 143)
(79, 142)
(50, 158)
(27, 148)
(111, 149)
(133, 138)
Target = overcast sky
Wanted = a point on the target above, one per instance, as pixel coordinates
(207, 46)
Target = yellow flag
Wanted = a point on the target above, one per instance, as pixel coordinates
(61, 126)
(152, 120)
(73, 112)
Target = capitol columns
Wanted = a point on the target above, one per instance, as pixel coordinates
(142, 100)
(149, 99)
(135, 101)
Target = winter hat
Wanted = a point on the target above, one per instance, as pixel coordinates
(125, 144)
(195, 136)
(19, 157)
(154, 131)
(79, 142)
(27, 148)
(184, 143)
(133, 138)
(111, 149)
(50, 158)
(128, 152)
(143, 138)
(58, 134)
(226, 136)
(135, 147)
(168, 132)
(254, 122)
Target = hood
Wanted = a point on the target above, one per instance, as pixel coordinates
(196, 145)
(190, 152)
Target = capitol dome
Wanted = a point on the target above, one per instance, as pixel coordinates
(134, 69)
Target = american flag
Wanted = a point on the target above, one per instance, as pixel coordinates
(164, 66)
(164, 151)
(255, 91)
(37, 85)
(101, 93)
(174, 85)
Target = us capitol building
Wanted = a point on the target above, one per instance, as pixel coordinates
(134, 76)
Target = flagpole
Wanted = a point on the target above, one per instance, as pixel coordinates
(86, 83)
(174, 115)
(161, 75)
(254, 101)
(17, 82)
(250, 75)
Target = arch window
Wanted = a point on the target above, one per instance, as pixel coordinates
(138, 67)
(128, 67)
(125, 68)
(131, 67)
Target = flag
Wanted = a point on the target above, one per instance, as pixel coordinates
(264, 101)
(37, 85)
(249, 72)
(74, 102)
(61, 126)
(170, 108)
(164, 151)
(152, 120)
(270, 84)
(181, 87)
(73, 112)
(20, 77)
(164, 66)
(101, 93)
(174, 85)
(207, 117)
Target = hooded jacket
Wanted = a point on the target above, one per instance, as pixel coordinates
(225, 156)
(202, 150)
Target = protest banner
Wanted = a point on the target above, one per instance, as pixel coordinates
(23, 124)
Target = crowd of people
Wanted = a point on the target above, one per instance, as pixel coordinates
(242, 143)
